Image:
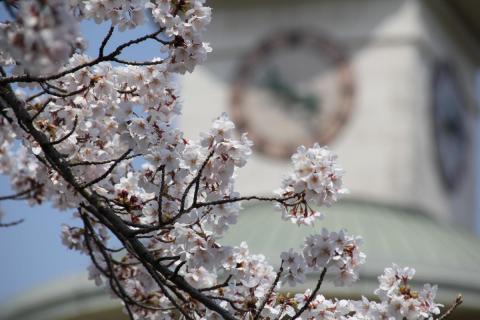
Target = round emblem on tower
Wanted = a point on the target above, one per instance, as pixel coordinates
(295, 87)
(450, 123)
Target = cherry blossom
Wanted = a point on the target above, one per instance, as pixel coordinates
(317, 178)
(97, 136)
(43, 37)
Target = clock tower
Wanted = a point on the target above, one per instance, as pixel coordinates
(388, 85)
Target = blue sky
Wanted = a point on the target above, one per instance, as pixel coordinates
(32, 253)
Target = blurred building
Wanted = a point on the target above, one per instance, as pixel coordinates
(389, 85)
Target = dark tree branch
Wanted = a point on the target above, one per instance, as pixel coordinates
(102, 212)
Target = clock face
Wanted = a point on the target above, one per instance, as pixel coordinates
(450, 125)
(293, 88)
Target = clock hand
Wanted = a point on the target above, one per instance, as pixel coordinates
(310, 103)
(287, 93)
(279, 88)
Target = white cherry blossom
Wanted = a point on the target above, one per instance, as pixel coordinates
(98, 136)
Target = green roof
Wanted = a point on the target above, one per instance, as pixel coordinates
(441, 254)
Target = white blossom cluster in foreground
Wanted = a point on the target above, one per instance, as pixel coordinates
(318, 177)
(43, 37)
(95, 135)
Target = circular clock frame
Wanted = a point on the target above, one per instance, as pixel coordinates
(322, 47)
(450, 125)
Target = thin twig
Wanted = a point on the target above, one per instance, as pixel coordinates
(312, 296)
(122, 294)
(105, 41)
(230, 301)
(65, 137)
(11, 224)
(218, 286)
(160, 195)
(195, 181)
(270, 292)
(20, 194)
(92, 163)
(52, 86)
(3, 112)
(199, 176)
(41, 93)
(165, 42)
(458, 301)
(177, 269)
(165, 291)
(137, 63)
(109, 170)
(247, 198)
(109, 57)
(9, 9)
(66, 94)
(44, 106)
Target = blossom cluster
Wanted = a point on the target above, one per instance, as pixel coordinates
(404, 302)
(185, 25)
(100, 123)
(45, 33)
(317, 178)
(43, 37)
(401, 302)
(337, 251)
(124, 14)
